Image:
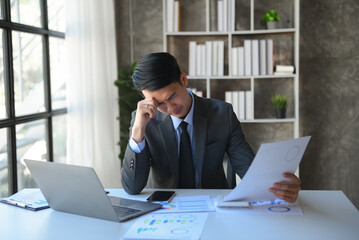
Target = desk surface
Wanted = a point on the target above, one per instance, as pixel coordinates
(326, 215)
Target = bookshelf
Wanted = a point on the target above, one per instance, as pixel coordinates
(199, 23)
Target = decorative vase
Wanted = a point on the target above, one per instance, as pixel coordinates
(271, 25)
(280, 113)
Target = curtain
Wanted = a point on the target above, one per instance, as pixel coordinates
(91, 69)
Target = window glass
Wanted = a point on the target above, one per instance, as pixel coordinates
(28, 73)
(26, 12)
(57, 70)
(59, 126)
(2, 80)
(30, 144)
(56, 15)
(4, 182)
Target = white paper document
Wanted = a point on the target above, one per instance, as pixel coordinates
(188, 204)
(168, 226)
(268, 166)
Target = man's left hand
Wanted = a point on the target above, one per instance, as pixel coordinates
(287, 191)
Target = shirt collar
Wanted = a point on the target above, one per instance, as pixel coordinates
(188, 119)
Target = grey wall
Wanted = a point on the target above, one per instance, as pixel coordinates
(329, 86)
(329, 95)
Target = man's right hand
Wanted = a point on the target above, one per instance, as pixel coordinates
(146, 110)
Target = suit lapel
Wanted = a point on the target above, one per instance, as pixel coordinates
(199, 134)
(169, 140)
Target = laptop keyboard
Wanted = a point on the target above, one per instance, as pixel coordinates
(124, 211)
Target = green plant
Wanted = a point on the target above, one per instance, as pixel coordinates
(270, 16)
(127, 101)
(279, 102)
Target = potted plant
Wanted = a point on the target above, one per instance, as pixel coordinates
(270, 18)
(128, 98)
(280, 105)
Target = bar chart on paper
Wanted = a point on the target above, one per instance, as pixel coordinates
(168, 226)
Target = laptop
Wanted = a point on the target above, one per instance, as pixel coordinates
(78, 190)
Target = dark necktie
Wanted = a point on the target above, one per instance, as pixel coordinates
(186, 172)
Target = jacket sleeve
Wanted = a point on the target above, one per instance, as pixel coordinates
(135, 168)
(240, 153)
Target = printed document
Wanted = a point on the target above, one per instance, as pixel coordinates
(268, 166)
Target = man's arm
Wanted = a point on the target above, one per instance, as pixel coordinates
(135, 170)
(136, 166)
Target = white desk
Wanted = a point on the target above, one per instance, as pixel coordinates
(327, 215)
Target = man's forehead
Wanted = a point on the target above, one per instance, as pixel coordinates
(162, 94)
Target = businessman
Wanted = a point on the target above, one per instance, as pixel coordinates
(179, 140)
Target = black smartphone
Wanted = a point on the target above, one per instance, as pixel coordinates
(161, 196)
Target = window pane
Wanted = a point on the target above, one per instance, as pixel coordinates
(57, 70)
(4, 181)
(26, 12)
(56, 15)
(59, 134)
(30, 144)
(28, 73)
(2, 80)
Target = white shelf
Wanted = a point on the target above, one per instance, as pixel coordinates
(242, 77)
(233, 37)
(215, 33)
(274, 120)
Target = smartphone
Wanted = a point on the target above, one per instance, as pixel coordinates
(161, 196)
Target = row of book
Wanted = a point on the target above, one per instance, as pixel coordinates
(206, 59)
(173, 16)
(254, 58)
(242, 102)
(225, 15)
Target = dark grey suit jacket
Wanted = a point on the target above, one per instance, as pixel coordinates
(216, 131)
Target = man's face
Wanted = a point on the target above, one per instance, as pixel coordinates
(173, 99)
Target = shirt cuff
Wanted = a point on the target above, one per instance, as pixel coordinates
(137, 147)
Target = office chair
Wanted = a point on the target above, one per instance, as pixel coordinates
(231, 175)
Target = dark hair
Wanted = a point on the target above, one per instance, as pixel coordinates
(156, 71)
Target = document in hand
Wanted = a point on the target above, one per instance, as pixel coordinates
(268, 166)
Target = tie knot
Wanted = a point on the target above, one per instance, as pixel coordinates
(183, 125)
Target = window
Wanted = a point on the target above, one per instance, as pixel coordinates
(32, 88)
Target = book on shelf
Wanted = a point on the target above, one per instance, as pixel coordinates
(238, 101)
(209, 58)
(225, 15)
(242, 105)
(241, 61)
(220, 58)
(284, 69)
(249, 105)
(206, 59)
(220, 15)
(262, 57)
(235, 102)
(228, 97)
(235, 66)
(198, 93)
(192, 58)
(247, 58)
(269, 57)
(173, 16)
(255, 58)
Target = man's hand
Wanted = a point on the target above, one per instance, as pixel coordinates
(146, 110)
(287, 191)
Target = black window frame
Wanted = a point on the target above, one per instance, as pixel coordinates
(12, 120)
